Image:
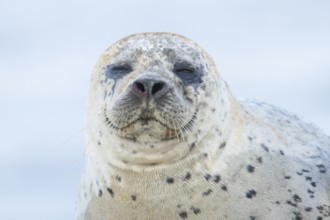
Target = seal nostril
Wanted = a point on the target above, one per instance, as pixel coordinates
(146, 87)
(157, 87)
(140, 86)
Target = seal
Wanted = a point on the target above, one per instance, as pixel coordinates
(166, 139)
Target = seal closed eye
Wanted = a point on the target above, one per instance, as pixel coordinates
(117, 71)
(187, 73)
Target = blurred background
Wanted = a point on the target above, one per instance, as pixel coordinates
(273, 51)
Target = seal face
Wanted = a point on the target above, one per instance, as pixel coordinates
(148, 91)
(167, 140)
(157, 88)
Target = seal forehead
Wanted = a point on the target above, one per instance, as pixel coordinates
(156, 46)
(156, 38)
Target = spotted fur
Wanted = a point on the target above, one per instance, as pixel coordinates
(167, 140)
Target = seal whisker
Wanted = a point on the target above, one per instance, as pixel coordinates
(176, 124)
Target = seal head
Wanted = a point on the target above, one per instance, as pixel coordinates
(149, 92)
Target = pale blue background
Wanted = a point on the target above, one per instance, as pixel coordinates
(275, 51)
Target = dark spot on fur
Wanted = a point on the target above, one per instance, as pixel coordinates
(296, 198)
(298, 216)
(311, 193)
(208, 176)
(305, 171)
(224, 187)
(281, 152)
(321, 168)
(320, 208)
(250, 168)
(133, 197)
(187, 176)
(259, 159)
(319, 218)
(100, 193)
(252, 218)
(291, 203)
(222, 145)
(287, 177)
(299, 173)
(110, 191)
(118, 178)
(308, 178)
(264, 147)
(205, 154)
(324, 210)
(250, 138)
(277, 202)
(308, 209)
(208, 192)
(313, 184)
(203, 86)
(251, 193)
(98, 142)
(192, 146)
(170, 180)
(216, 178)
(195, 210)
(183, 215)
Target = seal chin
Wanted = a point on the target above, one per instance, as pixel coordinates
(152, 127)
(146, 123)
(157, 128)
